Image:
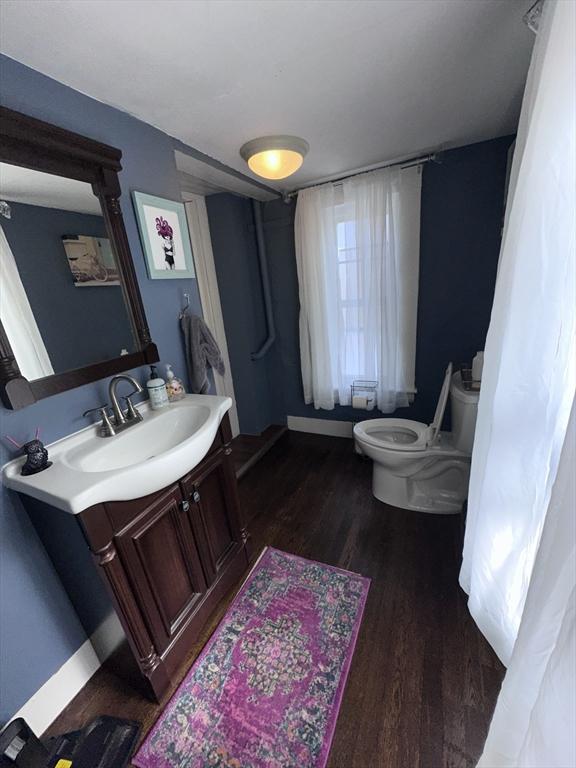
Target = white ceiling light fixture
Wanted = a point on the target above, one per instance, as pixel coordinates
(275, 157)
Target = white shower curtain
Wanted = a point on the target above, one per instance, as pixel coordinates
(518, 563)
(357, 253)
(18, 319)
(533, 724)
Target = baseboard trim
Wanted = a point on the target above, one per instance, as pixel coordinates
(59, 690)
(107, 637)
(330, 427)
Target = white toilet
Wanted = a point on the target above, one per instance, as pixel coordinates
(417, 466)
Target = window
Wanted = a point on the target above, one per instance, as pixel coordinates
(357, 247)
(351, 299)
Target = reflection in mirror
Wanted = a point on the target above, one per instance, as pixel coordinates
(61, 302)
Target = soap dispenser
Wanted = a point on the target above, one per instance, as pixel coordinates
(174, 385)
(156, 387)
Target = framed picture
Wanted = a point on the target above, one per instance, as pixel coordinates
(91, 261)
(165, 239)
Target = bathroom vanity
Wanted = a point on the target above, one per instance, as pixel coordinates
(166, 557)
(169, 557)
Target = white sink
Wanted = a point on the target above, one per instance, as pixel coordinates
(88, 469)
(161, 432)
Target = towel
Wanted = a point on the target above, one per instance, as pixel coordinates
(202, 352)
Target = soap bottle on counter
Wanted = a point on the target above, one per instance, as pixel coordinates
(174, 386)
(156, 387)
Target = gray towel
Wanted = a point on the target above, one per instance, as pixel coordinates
(201, 350)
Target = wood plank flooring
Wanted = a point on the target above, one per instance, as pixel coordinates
(423, 682)
(247, 450)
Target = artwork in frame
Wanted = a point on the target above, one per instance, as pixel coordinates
(91, 261)
(165, 239)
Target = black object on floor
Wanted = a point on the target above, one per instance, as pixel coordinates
(20, 747)
(107, 742)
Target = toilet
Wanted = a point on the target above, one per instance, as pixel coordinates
(416, 466)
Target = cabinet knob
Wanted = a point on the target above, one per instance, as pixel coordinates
(185, 506)
(196, 496)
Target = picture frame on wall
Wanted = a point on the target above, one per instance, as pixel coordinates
(165, 237)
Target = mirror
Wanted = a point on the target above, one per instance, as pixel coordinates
(62, 305)
(70, 308)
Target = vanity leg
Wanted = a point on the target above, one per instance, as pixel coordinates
(149, 663)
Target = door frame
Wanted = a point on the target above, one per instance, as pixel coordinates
(203, 255)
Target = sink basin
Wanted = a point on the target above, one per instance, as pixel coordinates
(88, 469)
(161, 432)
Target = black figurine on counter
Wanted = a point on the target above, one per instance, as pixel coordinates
(36, 455)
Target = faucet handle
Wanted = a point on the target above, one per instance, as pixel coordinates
(106, 428)
(132, 414)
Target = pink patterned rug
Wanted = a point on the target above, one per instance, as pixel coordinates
(266, 690)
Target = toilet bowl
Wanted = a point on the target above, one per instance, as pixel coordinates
(416, 466)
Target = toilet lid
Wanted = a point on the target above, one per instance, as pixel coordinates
(441, 407)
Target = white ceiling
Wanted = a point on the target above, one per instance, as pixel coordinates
(362, 82)
(24, 185)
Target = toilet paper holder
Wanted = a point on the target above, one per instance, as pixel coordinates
(363, 394)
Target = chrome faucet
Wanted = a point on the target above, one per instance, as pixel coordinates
(119, 419)
(122, 419)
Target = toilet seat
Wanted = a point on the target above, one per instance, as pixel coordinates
(404, 434)
(394, 434)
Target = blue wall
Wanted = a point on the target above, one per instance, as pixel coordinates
(461, 228)
(39, 628)
(259, 401)
(79, 326)
(461, 220)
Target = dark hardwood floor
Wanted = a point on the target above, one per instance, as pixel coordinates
(249, 449)
(423, 682)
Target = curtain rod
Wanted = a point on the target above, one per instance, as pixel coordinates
(408, 163)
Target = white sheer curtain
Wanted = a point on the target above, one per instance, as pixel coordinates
(18, 319)
(357, 252)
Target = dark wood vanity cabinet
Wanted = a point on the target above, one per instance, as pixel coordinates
(168, 558)
(211, 499)
(161, 560)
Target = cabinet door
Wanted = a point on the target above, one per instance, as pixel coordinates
(214, 512)
(163, 565)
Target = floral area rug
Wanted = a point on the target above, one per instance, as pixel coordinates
(266, 690)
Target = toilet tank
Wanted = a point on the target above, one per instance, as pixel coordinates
(464, 408)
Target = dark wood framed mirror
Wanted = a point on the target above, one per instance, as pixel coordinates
(66, 259)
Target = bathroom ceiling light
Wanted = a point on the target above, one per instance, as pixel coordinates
(274, 157)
